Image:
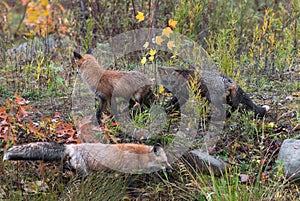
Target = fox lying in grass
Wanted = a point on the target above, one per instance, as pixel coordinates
(86, 157)
(110, 84)
(233, 93)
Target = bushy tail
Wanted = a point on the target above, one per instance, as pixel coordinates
(45, 151)
(248, 103)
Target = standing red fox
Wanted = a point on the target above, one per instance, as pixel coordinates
(86, 157)
(109, 84)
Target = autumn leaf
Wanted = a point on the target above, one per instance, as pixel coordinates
(172, 23)
(170, 45)
(23, 112)
(65, 129)
(158, 40)
(33, 128)
(144, 60)
(3, 112)
(140, 16)
(20, 100)
(167, 31)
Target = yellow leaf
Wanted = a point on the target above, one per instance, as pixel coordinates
(158, 40)
(144, 60)
(170, 45)
(146, 45)
(161, 89)
(152, 52)
(140, 16)
(151, 58)
(167, 31)
(172, 23)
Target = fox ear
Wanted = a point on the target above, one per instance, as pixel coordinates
(156, 147)
(89, 51)
(77, 55)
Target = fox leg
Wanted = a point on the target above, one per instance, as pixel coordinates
(101, 107)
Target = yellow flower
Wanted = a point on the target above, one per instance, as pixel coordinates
(158, 40)
(152, 52)
(172, 23)
(161, 89)
(140, 16)
(151, 58)
(144, 60)
(167, 31)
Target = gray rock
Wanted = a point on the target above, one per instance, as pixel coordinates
(289, 154)
(206, 163)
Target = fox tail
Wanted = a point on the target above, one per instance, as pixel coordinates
(46, 151)
(249, 105)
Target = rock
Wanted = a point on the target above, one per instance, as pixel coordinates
(205, 162)
(289, 154)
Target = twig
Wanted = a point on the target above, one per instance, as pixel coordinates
(22, 19)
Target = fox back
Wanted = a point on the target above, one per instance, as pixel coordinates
(130, 158)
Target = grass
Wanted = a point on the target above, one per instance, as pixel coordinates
(256, 43)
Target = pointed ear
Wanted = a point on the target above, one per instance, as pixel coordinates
(156, 147)
(89, 51)
(77, 55)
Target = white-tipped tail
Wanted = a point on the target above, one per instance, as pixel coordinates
(267, 108)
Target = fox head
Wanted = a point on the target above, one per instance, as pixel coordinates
(81, 60)
(161, 157)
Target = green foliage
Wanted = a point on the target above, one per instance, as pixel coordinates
(104, 186)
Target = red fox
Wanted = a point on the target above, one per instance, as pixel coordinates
(109, 84)
(86, 157)
(234, 94)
